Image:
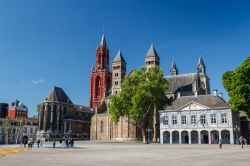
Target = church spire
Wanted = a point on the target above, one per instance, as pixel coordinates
(103, 43)
(152, 52)
(174, 69)
(152, 59)
(92, 68)
(119, 58)
(201, 66)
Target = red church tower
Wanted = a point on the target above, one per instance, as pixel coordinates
(100, 81)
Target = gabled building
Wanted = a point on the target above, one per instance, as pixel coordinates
(199, 119)
(17, 109)
(59, 117)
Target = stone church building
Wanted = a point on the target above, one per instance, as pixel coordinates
(59, 118)
(105, 82)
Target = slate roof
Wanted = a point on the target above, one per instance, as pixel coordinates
(83, 108)
(58, 95)
(152, 52)
(206, 100)
(181, 82)
(17, 103)
(119, 57)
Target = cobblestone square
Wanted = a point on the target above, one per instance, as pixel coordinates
(123, 154)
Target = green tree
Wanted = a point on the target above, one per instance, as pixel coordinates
(6, 128)
(103, 107)
(20, 122)
(237, 84)
(141, 91)
(157, 86)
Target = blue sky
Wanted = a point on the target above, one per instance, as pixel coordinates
(47, 42)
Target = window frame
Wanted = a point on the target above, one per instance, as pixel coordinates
(193, 119)
(224, 118)
(203, 119)
(174, 119)
(213, 118)
(183, 119)
(165, 120)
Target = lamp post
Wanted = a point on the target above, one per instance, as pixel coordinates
(236, 132)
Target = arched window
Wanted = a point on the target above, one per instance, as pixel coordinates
(98, 86)
(101, 127)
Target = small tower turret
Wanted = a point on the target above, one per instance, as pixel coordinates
(174, 69)
(118, 73)
(201, 66)
(152, 58)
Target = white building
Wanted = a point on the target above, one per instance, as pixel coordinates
(199, 119)
(29, 130)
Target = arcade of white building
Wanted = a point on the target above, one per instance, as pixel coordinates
(194, 123)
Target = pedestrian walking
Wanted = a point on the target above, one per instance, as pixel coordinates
(41, 143)
(54, 143)
(220, 142)
(61, 143)
(38, 143)
(245, 142)
(241, 139)
(31, 142)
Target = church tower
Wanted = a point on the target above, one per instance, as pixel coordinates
(118, 73)
(174, 69)
(152, 58)
(201, 66)
(203, 84)
(100, 81)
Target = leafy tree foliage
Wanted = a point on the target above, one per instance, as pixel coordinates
(103, 107)
(20, 122)
(237, 83)
(141, 91)
(6, 127)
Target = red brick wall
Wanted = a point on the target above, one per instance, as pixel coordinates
(102, 73)
(12, 114)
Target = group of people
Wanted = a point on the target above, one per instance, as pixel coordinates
(39, 142)
(243, 142)
(25, 141)
(68, 143)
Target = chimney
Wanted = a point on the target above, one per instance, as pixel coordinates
(221, 95)
(215, 92)
(178, 95)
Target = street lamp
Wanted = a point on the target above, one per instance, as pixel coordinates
(236, 129)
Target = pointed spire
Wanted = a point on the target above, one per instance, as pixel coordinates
(201, 62)
(103, 43)
(201, 66)
(152, 52)
(119, 57)
(93, 68)
(173, 65)
(173, 69)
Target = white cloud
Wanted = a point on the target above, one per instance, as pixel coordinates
(38, 81)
